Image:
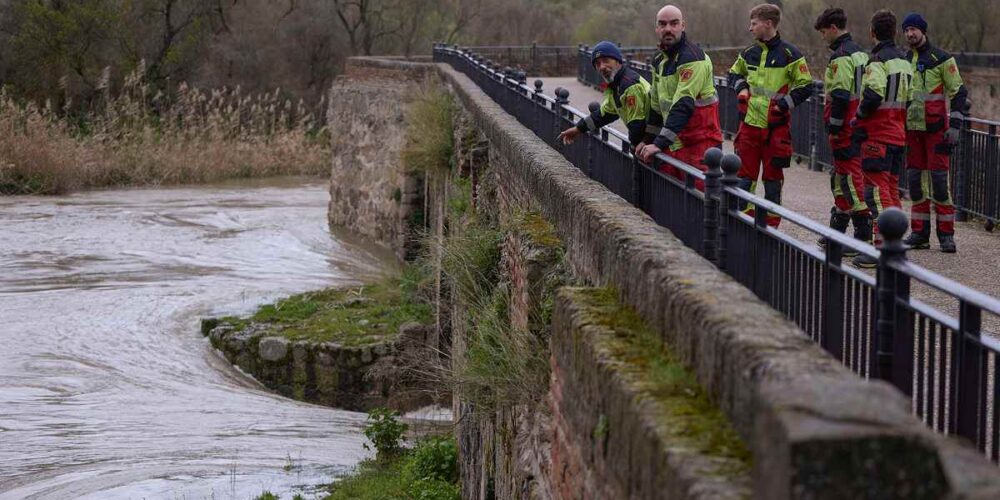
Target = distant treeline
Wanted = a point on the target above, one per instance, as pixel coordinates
(69, 50)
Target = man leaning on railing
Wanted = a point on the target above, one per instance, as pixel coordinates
(626, 96)
(684, 117)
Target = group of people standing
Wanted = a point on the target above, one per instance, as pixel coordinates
(886, 111)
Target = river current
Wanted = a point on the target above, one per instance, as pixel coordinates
(107, 388)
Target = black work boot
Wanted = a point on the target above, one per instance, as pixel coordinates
(947, 243)
(917, 241)
(838, 221)
(864, 261)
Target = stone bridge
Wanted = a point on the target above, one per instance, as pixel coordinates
(663, 376)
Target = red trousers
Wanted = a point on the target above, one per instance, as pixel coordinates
(692, 154)
(772, 148)
(928, 158)
(881, 163)
(847, 182)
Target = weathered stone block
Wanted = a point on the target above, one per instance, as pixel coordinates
(273, 349)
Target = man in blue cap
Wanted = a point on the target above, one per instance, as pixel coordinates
(626, 96)
(931, 133)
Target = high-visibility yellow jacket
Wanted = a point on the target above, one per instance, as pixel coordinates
(774, 71)
(884, 88)
(935, 81)
(842, 81)
(626, 97)
(685, 106)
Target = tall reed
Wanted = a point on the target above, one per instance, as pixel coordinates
(138, 137)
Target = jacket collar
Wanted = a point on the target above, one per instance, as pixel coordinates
(883, 44)
(772, 43)
(846, 37)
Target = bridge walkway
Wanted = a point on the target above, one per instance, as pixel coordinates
(977, 263)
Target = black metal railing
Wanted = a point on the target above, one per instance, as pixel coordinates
(945, 362)
(975, 165)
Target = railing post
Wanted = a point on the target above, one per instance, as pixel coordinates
(534, 58)
(813, 135)
(636, 182)
(962, 171)
(968, 404)
(731, 165)
(893, 327)
(562, 99)
(713, 186)
(833, 301)
(537, 97)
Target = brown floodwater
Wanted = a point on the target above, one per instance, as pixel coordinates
(107, 388)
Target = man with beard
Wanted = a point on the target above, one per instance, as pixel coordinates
(626, 96)
(770, 77)
(931, 133)
(842, 86)
(684, 108)
(880, 122)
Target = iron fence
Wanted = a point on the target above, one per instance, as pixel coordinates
(945, 363)
(975, 165)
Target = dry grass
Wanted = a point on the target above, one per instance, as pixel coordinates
(135, 138)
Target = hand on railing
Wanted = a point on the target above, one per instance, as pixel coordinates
(646, 152)
(569, 135)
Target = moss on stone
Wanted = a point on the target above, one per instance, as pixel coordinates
(540, 231)
(354, 316)
(686, 415)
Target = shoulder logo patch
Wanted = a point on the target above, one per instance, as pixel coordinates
(833, 68)
(686, 74)
(629, 101)
(803, 69)
(953, 69)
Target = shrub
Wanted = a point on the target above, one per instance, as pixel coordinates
(385, 432)
(434, 458)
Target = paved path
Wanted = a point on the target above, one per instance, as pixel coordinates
(976, 264)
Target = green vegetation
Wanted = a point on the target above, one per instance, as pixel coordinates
(688, 415)
(385, 431)
(427, 472)
(430, 131)
(503, 364)
(352, 317)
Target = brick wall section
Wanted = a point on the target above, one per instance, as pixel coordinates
(788, 399)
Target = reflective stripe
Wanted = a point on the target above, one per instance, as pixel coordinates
(652, 129)
(892, 105)
(789, 101)
(764, 92)
(928, 97)
(589, 121)
(945, 218)
(670, 135)
(920, 216)
(836, 121)
(956, 115)
(739, 83)
(892, 89)
(708, 101)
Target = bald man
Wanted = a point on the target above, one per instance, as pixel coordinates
(684, 109)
